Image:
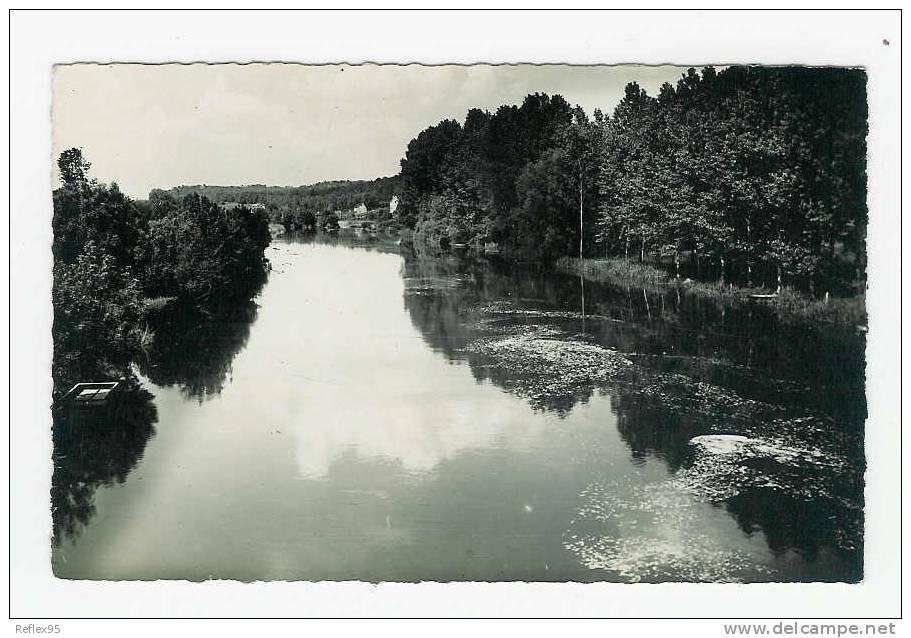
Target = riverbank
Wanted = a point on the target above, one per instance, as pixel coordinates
(790, 304)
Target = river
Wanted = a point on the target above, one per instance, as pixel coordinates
(384, 415)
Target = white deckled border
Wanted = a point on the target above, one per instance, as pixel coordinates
(39, 40)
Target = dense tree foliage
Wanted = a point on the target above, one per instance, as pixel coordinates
(95, 302)
(459, 182)
(111, 254)
(746, 174)
(203, 252)
(86, 211)
(754, 171)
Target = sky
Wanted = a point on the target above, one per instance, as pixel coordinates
(158, 126)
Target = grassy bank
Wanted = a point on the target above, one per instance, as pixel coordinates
(791, 304)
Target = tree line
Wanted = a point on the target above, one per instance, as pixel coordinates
(749, 174)
(111, 255)
(298, 207)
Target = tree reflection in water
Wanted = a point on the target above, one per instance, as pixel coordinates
(100, 446)
(194, 348)
(93, 447)
(696, 367)
(685, 368)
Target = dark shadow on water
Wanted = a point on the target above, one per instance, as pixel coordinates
(94, 447)
(194, 348)
(99, 446)
(821, 530)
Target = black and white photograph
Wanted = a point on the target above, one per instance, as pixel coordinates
(618, 340)
(448, 322)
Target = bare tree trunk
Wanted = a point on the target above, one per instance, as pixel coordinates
(580, 218)
(581, 263)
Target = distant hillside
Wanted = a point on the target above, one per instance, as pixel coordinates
(320, 197)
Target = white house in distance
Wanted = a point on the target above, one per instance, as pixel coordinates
(226, 206)
(393, 204)
(360, 211)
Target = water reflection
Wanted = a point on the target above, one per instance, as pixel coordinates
(356, 366)
(695, 368)
(388, 414)
(101, 446)
(194, 349)
(93, 447)
(743, 348)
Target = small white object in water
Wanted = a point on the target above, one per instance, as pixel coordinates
(529, 508)
(720, 443)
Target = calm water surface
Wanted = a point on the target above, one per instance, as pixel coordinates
(376, 414)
